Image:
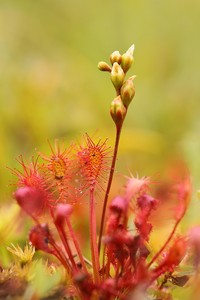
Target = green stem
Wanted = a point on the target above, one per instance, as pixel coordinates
(112, 169)
(93, 238)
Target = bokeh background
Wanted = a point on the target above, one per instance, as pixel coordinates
(50, 86)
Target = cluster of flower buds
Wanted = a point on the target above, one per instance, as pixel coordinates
(124, 88)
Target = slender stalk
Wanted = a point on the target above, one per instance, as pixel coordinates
(93, 238)
(61, 257)
(112, 169)
(64, 240)
(165, 244)
(76, 244)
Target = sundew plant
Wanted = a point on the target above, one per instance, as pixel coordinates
(120, 263)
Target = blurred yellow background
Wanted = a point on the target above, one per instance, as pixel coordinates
(50, 86)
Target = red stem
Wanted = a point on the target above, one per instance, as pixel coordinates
(76, 244)
(63, 260)
(112, 169)
(64, 240)
(165, 244)
(93, 238)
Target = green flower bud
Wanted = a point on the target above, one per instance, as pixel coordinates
(117, 76)
(103, 66)
(117, 111)
(127, 91)
(115, 57)
(127, 59)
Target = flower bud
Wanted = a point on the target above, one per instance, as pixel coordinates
(103, 66)
(127, 59)
(117, 111)
(127, 91)
(115, 57)
(117, 75)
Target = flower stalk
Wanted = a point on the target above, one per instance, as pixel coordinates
(112, 169)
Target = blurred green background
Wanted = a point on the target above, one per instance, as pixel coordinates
(50, 86)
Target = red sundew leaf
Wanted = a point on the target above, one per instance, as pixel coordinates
(41, 238)
(29, 176)
(135, 186)
(33, 195)
(120, 246)
(144, 228)
(174, 256)
(176, 252)
(145, 205)
(146, 201)
(58, 170)
(31, 200)
(119, 205)
(93, 161)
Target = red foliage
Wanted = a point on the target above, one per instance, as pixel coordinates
(93, 159)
